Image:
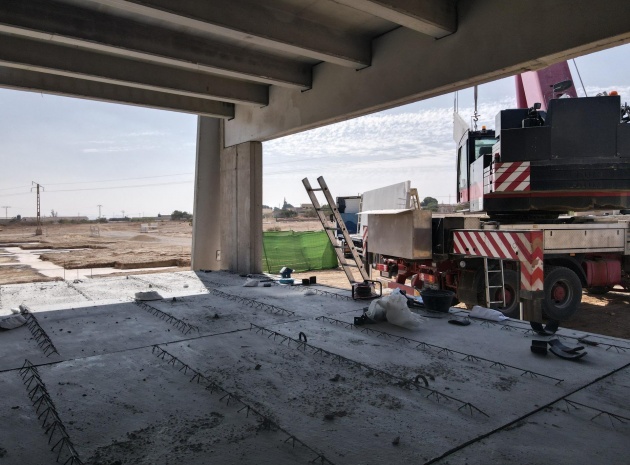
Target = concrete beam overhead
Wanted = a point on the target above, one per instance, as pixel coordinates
(255, 22)
(494, 40)
(79, 27)
(20, 79)
(436, 18)
(84, 64)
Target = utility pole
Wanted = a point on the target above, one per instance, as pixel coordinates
(6, 210)
(38, 231)
(123, 212)
(99, 211)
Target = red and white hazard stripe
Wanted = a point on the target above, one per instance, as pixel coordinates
(524, 246)
(510, 177)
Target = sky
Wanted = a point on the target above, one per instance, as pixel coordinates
(141, 161)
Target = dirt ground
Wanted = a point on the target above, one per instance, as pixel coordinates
(122, 246)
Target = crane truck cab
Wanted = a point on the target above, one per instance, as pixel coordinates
(474, 146)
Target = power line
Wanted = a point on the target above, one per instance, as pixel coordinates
(10, 188)
(107, 188)
(121, 187)
(120, 179)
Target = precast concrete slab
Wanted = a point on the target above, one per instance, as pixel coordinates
(218, 372)
(118, 288)
(22, 440)
(350, 413)
(19, 344)
(126, 408)
(479, 343)
(557, 433)
(49, 293)
(97, 329)
(169, 283)
(452, 366)
(296, 300)
(212, 314)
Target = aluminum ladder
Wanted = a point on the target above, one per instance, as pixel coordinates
(414, 199)
(351, 265)
(488, 280)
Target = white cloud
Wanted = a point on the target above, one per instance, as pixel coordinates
(119, 148)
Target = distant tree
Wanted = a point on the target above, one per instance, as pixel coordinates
(429, 203)
(310, 213)
(287, 214)
(178, 215)
(326, 209)
(18, 217)
(266, 206)
(53, 213)
(286, 205)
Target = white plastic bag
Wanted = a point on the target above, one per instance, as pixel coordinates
(376, 310)
(487, 314)
(394, 309)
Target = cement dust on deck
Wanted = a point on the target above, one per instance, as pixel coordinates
(220, 373)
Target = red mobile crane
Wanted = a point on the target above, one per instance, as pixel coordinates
(553, 155)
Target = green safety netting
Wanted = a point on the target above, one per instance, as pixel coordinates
(301, 251)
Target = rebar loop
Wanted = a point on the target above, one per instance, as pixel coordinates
(253, 303)
(48, 415)
(176, 322)
(438, 349)
(266, 422)
(395, 380)
(41, 337)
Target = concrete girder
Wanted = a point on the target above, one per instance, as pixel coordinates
(66, 24)
(255, 22)
(436, 18)
(21, 79)
(407, 67)
(50, 58)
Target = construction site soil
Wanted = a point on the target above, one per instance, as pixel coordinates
(116, 248)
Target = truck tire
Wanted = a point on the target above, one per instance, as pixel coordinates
(512, 286)
(562, 293)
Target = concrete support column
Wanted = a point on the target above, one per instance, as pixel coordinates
(241, 207)
(206, 243)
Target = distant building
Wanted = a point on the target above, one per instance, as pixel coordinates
(303, 208)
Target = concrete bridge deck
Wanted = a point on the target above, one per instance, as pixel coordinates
(220, 373)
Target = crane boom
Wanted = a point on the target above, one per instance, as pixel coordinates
(538, 86)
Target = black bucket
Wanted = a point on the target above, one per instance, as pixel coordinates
(436, 300)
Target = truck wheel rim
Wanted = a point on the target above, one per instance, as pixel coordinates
(508, 296)
(561, 293)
